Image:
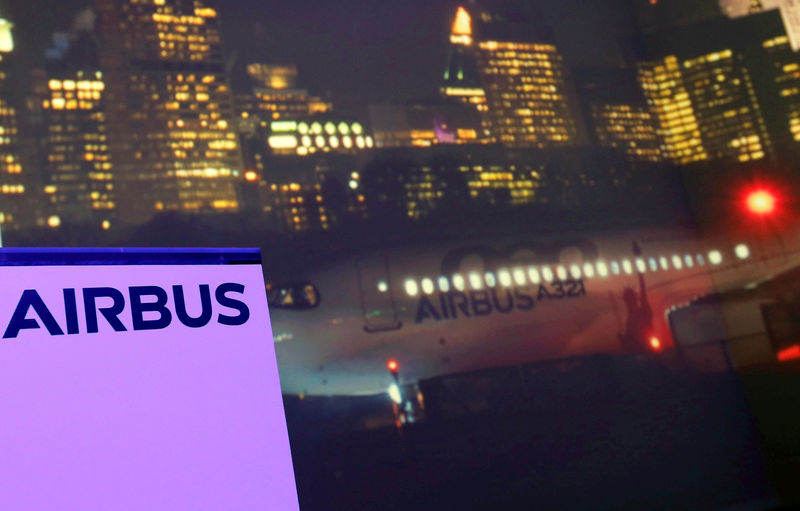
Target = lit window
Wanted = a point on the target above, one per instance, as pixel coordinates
(641, 267)
(505, 278)
(562, 273)
(653, 264)
(602, 269)
(383, 286)
(742, 251)
(715, 257)
(677, 263)
(533, 274)
(547, 274)
(701, 260)
(444, 284)
(427, 286)
(664, 262)
(458, 282)
(688, 261)
(627, 267)
(615, 268)
(475, 281)
(575, 271)
(411, 287)
(491, 280)
(519, 276)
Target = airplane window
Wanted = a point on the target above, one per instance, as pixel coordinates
(562, 273)
(715, 257)
(475, 281)
(602, 269)
(533, 274)
(491, 280)
(293, 296)
(383, 286)
(444, 284)
(615, 267)
(411, 287)
(664, 263)
(505, 278)
(701, 260)
(575, 271)
(653, 264)
(677, 262)
(641, 267)
(687, 259)
(742, 251)
(547, 274)
(519, 276)
(427, 286)
(458, 282)
(627, 266)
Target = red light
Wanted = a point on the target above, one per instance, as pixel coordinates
(761, 202)
(392, 365)
(655, 343)
(788, 354)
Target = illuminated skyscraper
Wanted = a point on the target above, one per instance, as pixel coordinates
(618, 115)
(708, 88)
(12, 184)
(276, 93)
(778, 75)
(521, 78)
(75, 156)
(462, 81)
(170, 108)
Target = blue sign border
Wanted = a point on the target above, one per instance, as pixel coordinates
(127, 256)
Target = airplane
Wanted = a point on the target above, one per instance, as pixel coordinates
(453, 307)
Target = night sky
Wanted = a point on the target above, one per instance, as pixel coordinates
(360, 51)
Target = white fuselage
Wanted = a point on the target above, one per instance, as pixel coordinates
(453, 307)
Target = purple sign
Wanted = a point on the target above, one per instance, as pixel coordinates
(131, 387)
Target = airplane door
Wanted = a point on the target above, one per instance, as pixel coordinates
(377, 301)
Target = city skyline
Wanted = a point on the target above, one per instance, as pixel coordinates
(362, 52)
(132, 115)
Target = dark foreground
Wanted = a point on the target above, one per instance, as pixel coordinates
(596, 434)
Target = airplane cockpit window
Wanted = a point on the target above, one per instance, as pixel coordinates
(302, 295)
